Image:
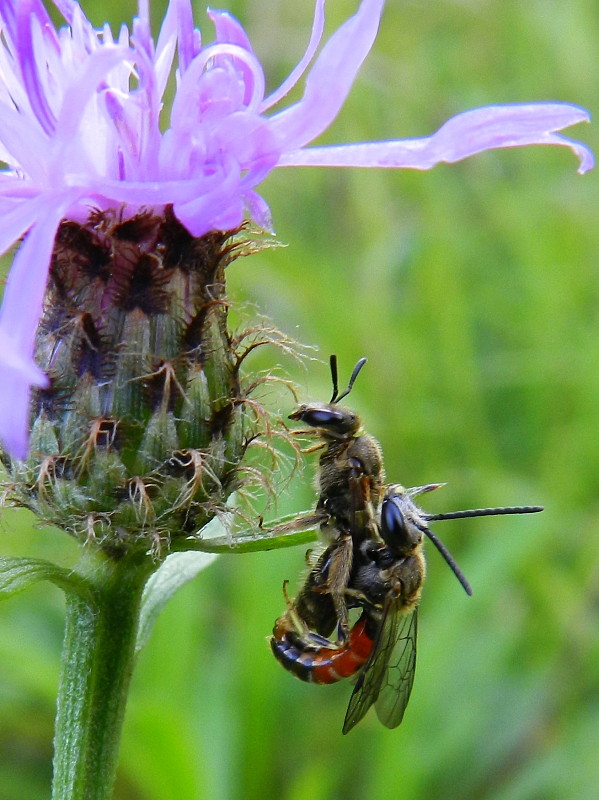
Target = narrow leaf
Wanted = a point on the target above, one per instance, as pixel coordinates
(17, 574)
(177, 570)
(255, 544)
(289, 531)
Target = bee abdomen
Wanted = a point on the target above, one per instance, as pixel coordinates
(323, 663)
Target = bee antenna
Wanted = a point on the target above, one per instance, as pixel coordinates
(484, 512)
(333, 363)
(449, 559)
(352, 380)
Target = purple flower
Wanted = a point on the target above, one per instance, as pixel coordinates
(80, 128)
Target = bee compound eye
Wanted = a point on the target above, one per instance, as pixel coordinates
(322, 417)
(393, 523)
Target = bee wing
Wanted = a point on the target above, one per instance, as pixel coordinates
(398, 680)
(372, 676)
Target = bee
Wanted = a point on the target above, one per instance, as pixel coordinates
(351, 474)
(350, 484)
(386, 584)
(373, 562)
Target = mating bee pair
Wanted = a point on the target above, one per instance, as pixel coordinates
(373, 561)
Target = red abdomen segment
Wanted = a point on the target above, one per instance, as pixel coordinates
(321, 664)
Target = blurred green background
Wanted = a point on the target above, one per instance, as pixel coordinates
(474, 292)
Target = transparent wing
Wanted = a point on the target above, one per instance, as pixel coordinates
(372, 676)
(387, 677)
(398, 679)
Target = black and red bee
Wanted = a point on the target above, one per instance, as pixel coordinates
(386, 584)
(350, 485)
(374, 562)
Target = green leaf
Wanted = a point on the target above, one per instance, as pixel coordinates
(255, 544)
(17, 574)
(288, 531)
(177, 570)
(216, 537)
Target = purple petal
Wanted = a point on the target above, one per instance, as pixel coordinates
(464, 135)
(16, 221)
(24, 144)
(67, 8)
(298, 71)
(177, 23)
(83, 34)
(14, 412)
(246, 137)
(330, 78)
(26, 284)
(259, 210)
(219, 202)
(28, 15)
(152, 193)
(83, 89)
(230, 32)
(21, 308)
(143, 12)
(13, 361)
(189, 40)
(228, 29)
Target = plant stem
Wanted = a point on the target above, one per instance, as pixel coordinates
(98, 661)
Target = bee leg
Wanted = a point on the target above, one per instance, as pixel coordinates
(291, 621)
(308, 432)
(292, 616)
(362, 599)
(338, 577)
(342, 634)
(312, 449)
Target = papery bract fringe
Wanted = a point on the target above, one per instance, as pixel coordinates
(80, 129)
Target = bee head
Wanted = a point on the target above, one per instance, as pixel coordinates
(398, 529)
(330, 419)
(402, 521)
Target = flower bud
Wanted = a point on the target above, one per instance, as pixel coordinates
(139, 436)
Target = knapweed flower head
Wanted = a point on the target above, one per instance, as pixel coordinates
(83, 132)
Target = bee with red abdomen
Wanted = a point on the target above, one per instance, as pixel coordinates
(350, 483)
(386, 583)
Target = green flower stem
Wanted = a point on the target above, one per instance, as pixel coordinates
(98, 661)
